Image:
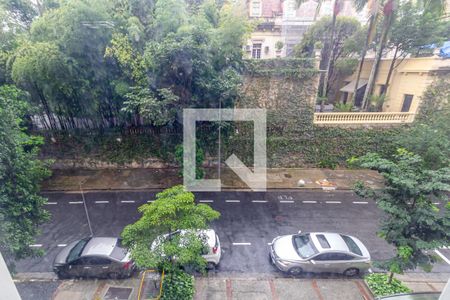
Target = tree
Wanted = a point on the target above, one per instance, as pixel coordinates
(436, 7)
(51, 79)
(21, 172)
(412, 223)
(173, 209)
(348, 36)
(429, 134)
(411, 30)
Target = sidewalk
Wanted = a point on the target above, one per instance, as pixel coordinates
(224, 287)
(143, 179)
(280, 289)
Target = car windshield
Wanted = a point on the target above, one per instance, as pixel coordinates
(352, 246)
(77, 249)
(303, 245)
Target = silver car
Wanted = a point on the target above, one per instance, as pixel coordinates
(319, 252)
(101, 257)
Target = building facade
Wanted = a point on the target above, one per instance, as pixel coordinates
(407, 84)
(280, 24)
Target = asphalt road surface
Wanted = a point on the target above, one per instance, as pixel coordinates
(248, 222)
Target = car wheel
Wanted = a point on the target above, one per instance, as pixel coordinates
(62, 275)
(351, 272)
(114, 275)
(295, 271)
(211, 266)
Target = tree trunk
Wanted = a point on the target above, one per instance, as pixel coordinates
(391, 276)
(376, 63)
(391, 69)
(363, 56)
(316, 13)
(330, 56)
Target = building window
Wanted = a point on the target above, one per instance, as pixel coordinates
(407, 100)
(256, 51)
(256, 7)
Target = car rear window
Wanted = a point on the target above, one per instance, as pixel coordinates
(119, 252)
(352, 246)
(323, 241)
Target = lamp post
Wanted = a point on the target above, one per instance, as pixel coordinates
(85, 208)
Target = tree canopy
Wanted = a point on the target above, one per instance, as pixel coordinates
(111, 63)
(21, 207)
(173, 209)
(412, 223)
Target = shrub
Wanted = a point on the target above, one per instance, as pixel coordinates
(178, 286)
(378, 284)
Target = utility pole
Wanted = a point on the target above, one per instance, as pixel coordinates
(85, 209)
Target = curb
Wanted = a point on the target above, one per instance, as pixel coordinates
(223, 190)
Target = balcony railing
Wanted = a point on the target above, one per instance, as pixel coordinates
(363, 118)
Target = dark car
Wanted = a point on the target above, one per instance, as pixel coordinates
(101, 257)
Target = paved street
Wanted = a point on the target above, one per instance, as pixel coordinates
(249, 221)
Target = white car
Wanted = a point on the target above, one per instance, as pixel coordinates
(214, 253)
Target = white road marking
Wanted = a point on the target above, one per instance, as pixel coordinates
(62, 245)
(333, 202)
(442, 256)
(51, 203)
(286, 201)
(436, 203)
(259, 201)
(232, 200)
(101, 202)
(242, 244)
(128, 201)
(309, 201)
(206, 201)
(360, 202)
(35, 245)
(76, 202)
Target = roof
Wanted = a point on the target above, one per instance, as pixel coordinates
(349, 88)
(99, 246)
(334, 240)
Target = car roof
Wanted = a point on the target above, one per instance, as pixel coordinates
(99, 246)
(335, 241)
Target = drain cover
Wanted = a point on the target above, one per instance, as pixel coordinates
(118, 293)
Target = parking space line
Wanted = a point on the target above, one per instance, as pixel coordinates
(442, 256)
(286, 201)
(333, 202)
(232, 201)
(35, 245)
(309, 201)
(76, 202)
(206, 201)
(149, 201)
(51, 203)
(61, 245)
(127, 201)
(360, 202)
(99, 202)
(242, 244)
(259, 201)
